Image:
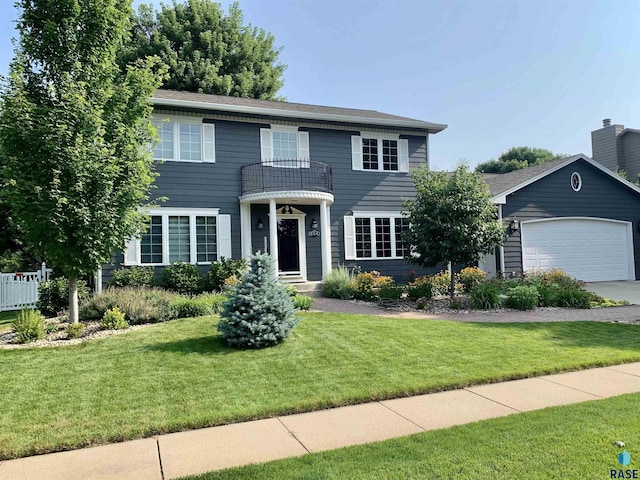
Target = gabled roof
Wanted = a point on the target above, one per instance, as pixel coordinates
(201, 101)
(627, 130)
(505, 184)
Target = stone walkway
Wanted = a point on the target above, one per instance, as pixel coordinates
(187, 453)
(627, 314)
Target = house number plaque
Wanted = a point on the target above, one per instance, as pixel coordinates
(314, 233)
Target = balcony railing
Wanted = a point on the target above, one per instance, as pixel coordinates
(286, 175)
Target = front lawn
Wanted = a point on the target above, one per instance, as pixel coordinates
(571, 442)
(6, 318)
(179, 375)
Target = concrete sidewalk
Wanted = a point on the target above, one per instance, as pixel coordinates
(197, 451)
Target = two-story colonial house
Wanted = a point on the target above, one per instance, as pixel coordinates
(314, 186)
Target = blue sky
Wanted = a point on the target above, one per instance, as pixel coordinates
(542, 73)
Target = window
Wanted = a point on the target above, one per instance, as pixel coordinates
(380, 152)
(284, 146)
(374, 236)
(187, 140)
(186, 235)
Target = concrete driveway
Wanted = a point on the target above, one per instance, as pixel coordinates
(621, 290)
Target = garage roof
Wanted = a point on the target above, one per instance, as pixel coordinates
(504, 184)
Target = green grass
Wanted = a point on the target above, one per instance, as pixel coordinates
(180, 375)
(6, 318)
(572, 442)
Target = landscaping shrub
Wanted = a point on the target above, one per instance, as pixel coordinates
(486, 296)
(366, 285)
(53, 295)
(441, 283)
(74, 330)
(139, 304)
(522, 297)
(302, 302)
(259, 312)
(337, 283)
(200, 306)
(574, 298)
(222, 270)
(470, 277)
(113, 319)
(392, 292)
(420, 288)
(132, 277)
(183, 278)
(28, 326)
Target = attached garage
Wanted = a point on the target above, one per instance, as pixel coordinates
(591, 249)
(571, 214)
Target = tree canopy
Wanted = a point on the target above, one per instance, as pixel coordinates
(452, 219)
(75, 134)
(205, 50)
(516, 158)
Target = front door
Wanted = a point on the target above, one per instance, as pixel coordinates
(288, 245)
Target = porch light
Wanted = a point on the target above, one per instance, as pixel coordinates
(260, 224)
(514, 226)
(314, 223)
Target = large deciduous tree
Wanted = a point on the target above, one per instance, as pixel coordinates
(452, 219)
(75, 134)
(516, 158)
(207, 51)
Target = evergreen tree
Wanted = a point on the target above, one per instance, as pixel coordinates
(259, 312)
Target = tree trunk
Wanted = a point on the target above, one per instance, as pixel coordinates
(73, 300)
(452, 290)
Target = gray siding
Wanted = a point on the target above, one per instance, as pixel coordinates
(604, 146)
(204, 185)
(600, 196)
(630, 152)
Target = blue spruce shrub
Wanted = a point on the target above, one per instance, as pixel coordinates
(259, 312)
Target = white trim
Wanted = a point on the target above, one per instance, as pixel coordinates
(283, 128)
(380, 137)
(579, 177)
(372, 227)
(287, 196)
(302, 245)
(629, 231)
(502, 197)
(177, 211)
(501, 248)
(275, 112)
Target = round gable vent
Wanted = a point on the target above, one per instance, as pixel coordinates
(576, 181)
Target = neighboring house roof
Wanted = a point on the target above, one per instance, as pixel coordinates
(627, 130)
(201, 101)
(505, 184)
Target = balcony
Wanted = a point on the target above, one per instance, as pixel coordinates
(284, 175)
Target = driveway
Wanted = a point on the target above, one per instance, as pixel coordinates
(621, 290)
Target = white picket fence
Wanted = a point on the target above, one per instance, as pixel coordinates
(20, 289)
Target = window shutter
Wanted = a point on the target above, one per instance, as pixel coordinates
(349, 238)
(131, 252)
(403, 155)
(265, 146)
(303, 149)
(356, 152)
(224, 236)
(208, 143)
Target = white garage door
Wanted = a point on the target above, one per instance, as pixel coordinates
(591, 249)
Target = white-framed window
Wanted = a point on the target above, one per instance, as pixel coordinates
(284, 146)
(374, 236)
(379, 152)
(198, 235)
(184, 140)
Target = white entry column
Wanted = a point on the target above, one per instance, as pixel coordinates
(273, 234)
(325, 238)
(245, 229)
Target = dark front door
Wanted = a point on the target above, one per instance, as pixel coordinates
(288, 248)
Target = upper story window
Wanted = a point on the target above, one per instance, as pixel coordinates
(284, 146)
(198, 235)
(185, 140)
(379, 152)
